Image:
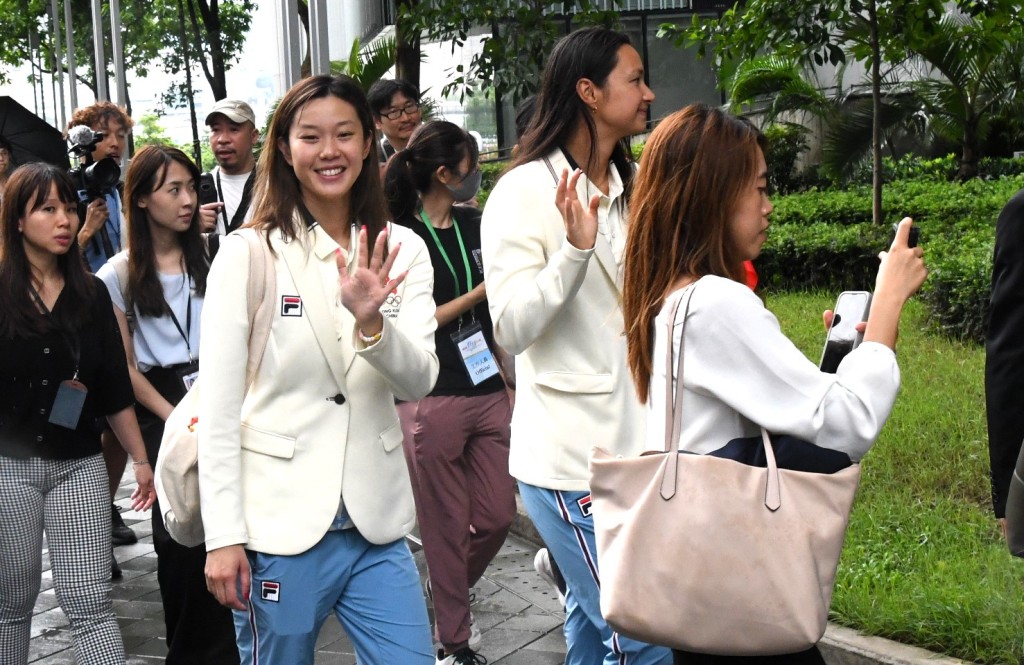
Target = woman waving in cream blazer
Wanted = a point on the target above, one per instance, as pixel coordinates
(305, 492)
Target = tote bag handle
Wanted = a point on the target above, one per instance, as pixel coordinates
(674, 414)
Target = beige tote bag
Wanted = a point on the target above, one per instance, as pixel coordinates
(711, 555)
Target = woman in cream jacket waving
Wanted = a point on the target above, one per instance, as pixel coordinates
(305, 493)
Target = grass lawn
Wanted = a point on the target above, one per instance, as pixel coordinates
(923, 562)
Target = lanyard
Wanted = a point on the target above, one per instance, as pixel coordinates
(188, 319)
(444, 254)
(71, 341)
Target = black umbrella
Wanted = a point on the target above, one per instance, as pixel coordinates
(33, 139)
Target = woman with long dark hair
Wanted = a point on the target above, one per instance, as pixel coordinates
(305, 491)
(62, 365)
(158, 285)
(456, 438)
(700, 209)
(554, 292)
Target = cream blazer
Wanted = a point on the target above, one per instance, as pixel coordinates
(558, 309)
(276, 464)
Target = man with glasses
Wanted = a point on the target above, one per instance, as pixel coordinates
(395, 105)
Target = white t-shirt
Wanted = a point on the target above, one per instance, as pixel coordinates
(740, 372)
(231, 187)
(157, 341)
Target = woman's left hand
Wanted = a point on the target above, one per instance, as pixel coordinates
(145, 494)
(366, 287)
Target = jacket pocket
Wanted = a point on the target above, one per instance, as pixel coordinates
(391, 438)
(575, 382)
(267, 443)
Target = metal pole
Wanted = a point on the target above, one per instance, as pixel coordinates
(55, 35)
(72, 76)
(320, 60)
(118, 52)
(101, 57)
(291, 62)
(32, 62)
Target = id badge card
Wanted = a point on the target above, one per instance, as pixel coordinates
(476, 356)
(189, 375)
(67, 405)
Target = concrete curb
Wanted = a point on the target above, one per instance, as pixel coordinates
(839, 646)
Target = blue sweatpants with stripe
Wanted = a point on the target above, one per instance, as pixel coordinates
(564, 522)
(373, 589)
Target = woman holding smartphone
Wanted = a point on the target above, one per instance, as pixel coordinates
(158, 287)
(700, 208)
(62, 366)
(305, 491)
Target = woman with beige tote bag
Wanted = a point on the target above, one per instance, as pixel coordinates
(699, 209)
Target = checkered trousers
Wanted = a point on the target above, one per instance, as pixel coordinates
(70, 500)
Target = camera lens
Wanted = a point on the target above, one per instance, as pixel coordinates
(102, 175)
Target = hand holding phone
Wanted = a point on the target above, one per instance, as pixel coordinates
(843, 335)
(912, 240)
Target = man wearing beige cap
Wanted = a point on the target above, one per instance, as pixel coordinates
(233, 134)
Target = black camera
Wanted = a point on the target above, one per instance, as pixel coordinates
(207, 189)
(95, 178)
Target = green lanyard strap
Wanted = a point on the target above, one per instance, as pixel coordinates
(444, 254)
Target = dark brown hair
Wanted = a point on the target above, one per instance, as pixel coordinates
(24, 193)
(146, 174)
(277, 192)
(693, 170)
(410, 172)
(100, 114)
(591, 53)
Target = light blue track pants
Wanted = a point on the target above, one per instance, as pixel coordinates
(564, 521)
(373, 589)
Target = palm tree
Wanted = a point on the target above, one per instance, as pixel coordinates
(979, 74)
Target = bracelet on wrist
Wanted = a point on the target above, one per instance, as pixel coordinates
(144, 462)
(369, 340)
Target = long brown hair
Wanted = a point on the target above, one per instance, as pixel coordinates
(24, 193)
(693, 170)
(277, 192)
(146, 174)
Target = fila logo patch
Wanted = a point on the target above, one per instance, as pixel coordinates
(270, 591)
(584, 504)
(291, 306)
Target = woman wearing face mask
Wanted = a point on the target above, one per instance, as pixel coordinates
(456, 438)
(62, 366)
(160, 283)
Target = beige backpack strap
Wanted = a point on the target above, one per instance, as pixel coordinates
(120, 263)
(260, 296)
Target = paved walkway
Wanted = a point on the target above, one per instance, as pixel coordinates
(518, 613)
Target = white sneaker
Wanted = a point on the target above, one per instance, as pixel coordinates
(542, 564)
(465, 656)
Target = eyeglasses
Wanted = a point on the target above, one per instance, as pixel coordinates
(395, 114)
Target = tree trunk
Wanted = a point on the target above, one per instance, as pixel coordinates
(306, 68)
(876, 116)
(214, 70)
(969, 153)
(407, 49)
(196, 146)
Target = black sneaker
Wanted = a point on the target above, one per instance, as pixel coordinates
(464, 656)
(120, 534)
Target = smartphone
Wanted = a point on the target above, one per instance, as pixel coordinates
(207, 189)
(851, 308)
(912, 239)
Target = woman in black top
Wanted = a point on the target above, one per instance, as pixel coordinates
(62, 365)
(456, 438)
